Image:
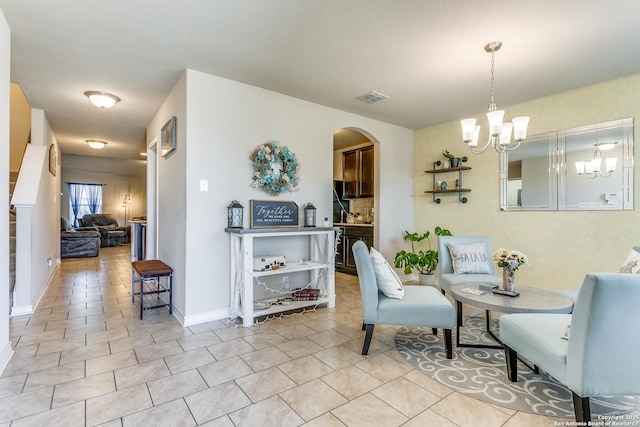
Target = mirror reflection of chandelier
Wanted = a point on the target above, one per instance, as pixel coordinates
(499, 132)
(592, 168)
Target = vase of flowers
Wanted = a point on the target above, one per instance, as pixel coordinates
(510, 260)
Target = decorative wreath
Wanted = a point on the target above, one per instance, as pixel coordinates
(275, 168)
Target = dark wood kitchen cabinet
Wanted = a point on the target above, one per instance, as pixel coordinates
(357, 172)
(345, 261)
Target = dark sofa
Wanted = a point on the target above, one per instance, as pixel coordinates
(78, 242)
(111, 234)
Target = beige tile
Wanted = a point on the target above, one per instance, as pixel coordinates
(339, 357)
(157, 351)
(368, 410)
(117, 404)
(175, 386)
(228, 398)
(265, 358)
(325, 420)
(66, 343)
(324, 399)
(111, 334)
(229, 349)
(12, 385)
(171, 333)
(476, 413)
(299, 348)
(533, 420)
(226, 370)
(304, 369)
(200, 340)
(174, 413)
(266, 339)
(130, 343)
(405, 396)
(52, 376)
(111, 362)
(41, 337)
(427, 383)
(229, 334)
(383, 367)
(223, 421)
(329, 338)
(84, 353)
(189, 360)
(29, 364)
(25, 404)
(69, 415)
(141, 373)
(264, 384)
(270, 412)
(82, 389)
(351, 382)
(430, 418)
(320, 325)
(295, 331)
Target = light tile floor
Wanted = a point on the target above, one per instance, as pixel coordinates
(84, 358)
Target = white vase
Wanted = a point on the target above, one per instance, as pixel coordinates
(427, 279)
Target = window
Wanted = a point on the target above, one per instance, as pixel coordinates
(84, 199)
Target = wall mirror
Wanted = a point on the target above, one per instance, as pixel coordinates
(584, 168)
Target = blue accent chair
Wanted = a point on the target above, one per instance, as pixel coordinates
(600, 356)
(446, 276)
(421, 305)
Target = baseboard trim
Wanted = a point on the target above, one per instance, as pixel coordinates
(210, 316)
(21, 311)
(30, 309)
(5, 356)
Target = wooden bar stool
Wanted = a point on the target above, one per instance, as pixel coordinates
(149, 272)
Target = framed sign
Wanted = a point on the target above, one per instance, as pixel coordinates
(53, 159)
(271, 213)
(168, 137)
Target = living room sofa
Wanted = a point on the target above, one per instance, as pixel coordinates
(111, 234)
(78, 242)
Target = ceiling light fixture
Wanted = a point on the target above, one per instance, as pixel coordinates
(591, 168)
(499, 133)
(371, 97)
(102, 99)
(95, 143)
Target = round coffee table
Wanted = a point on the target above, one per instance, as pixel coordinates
(530, 300)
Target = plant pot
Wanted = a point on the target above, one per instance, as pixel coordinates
(427, 279)
(455, 162)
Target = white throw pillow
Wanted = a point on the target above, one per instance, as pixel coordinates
(470, 258)
(388, 281)
(630, 265)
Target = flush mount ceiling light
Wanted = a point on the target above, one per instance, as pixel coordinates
(95, 143)
(371, 97)
(102, 99)
(499, 133)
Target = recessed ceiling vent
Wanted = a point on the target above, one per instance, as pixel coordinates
(371, 97)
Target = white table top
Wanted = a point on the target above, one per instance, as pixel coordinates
(530, 300)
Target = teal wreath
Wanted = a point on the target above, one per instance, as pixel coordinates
(275, 168)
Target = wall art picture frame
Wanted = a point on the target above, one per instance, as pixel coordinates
(168, 137)
(53, 159)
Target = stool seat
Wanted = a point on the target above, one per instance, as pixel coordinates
(151, 268)
(150, 271)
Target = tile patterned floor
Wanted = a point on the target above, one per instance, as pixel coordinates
(84, 359)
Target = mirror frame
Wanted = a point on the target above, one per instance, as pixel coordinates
(558, 169)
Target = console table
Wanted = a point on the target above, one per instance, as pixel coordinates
(310, 257)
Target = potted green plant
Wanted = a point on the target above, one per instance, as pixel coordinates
(453, 160)
(423, 261)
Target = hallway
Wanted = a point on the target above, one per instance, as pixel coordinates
(84, 358)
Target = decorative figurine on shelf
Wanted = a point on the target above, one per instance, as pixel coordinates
(454, 161)
(443, 185)
(234, 215)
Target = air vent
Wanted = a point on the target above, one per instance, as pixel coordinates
(371, 97)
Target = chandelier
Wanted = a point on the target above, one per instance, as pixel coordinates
(592, 168)
(499, 132)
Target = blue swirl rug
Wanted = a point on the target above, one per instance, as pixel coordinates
(481, 373)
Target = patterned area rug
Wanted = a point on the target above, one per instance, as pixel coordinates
(481, 373)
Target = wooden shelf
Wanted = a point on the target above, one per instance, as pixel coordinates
(455, 190)
(459, 191)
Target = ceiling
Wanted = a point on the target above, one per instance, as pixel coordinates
(426, 56)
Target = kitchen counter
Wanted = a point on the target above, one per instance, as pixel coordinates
(344, 224)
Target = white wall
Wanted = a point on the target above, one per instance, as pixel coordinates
(5, 62)
(36, 198)
(220, 123)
